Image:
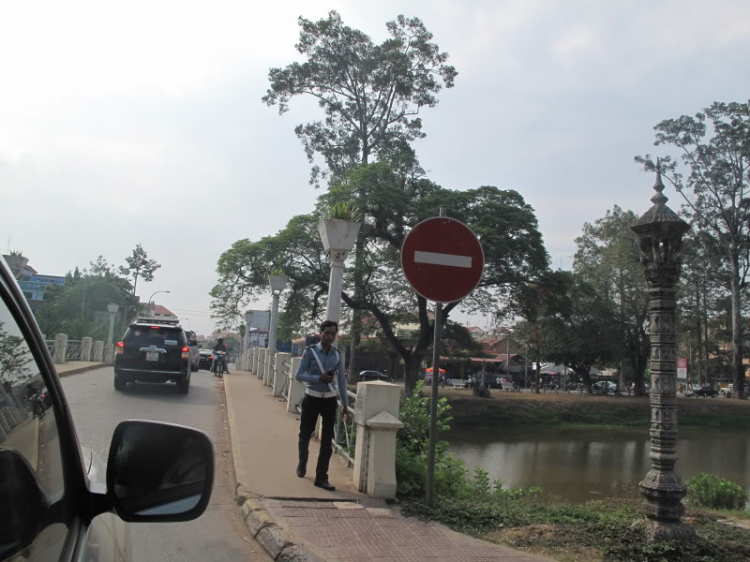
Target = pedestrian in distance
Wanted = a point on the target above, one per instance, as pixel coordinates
(322, 370)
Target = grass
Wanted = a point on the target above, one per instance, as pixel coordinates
(513, 409)
(595, 531)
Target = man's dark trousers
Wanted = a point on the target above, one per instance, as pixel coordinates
(313, 406)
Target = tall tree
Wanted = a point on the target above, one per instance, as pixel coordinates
(371, 95)
(139, 266)
(505, 224)
(714, 180)
(607, 259)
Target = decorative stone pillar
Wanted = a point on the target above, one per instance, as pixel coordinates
(280, 377)
(86, 344)
(60, 351)
(98, 351)
(660, 232)
(260, 362)
(376, 416)
(296, 388)
(109, 353)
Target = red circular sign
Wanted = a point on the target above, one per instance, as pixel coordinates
(442, 259)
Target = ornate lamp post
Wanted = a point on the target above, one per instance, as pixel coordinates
(660, 231)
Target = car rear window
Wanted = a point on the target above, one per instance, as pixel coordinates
(154, 335)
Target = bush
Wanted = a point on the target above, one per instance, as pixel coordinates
(718, 493)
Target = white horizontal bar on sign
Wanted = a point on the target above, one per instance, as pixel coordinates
(442, 259)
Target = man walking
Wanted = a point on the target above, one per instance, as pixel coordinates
(322, 371)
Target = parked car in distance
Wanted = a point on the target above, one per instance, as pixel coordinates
(153, 350)
(205, 359)
(192, 343)
(605, 387)
(706, 391)
(369, 376)
(59, 500)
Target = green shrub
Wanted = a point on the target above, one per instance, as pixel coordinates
(712, 491)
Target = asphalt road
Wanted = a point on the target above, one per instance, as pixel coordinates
(219, 534)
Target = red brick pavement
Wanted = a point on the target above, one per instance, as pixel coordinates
(371, 532)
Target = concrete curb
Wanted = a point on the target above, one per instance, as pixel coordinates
(256, 517)
(82, 369)
(271, 537)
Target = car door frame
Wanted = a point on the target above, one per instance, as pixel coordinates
(82, 499)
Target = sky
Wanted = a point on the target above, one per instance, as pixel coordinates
(142, 121)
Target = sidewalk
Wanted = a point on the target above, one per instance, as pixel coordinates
(297, 522)
(75, 367)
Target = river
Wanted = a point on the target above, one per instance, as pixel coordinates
(577, 465)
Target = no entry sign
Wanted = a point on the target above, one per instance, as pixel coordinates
(442, 259)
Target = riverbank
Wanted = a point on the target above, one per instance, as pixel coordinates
(595, 532)
(525, 409)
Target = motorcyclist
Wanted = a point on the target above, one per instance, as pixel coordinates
(221, 346)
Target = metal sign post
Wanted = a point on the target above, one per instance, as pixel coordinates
(443, 261)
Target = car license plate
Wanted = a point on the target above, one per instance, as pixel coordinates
(152, 356)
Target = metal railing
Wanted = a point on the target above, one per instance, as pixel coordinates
(287, 373)
(345, 433)
(50, 344)
(73, 351)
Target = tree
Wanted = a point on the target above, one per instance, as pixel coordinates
(393, 204)
(607, 259)
(714, 148)
(584, 335)
(14, 358)
(139, 266)
(371, 95)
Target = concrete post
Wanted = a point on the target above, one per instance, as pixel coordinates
(61, 349)
(261, 362)
(98, 351)
(268, 368)
(86, 344)
(296, 388)
(280, 377)
(254, 361)
(109, 353)
(376, 416)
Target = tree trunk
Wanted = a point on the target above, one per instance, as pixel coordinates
(705, 335)
(411, 375)
(738, 369)
(700, 338)
(537, 374)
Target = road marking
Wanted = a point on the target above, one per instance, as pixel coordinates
(442, 259)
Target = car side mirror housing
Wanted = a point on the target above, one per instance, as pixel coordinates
(158, 472)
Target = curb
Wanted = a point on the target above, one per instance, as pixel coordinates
(271, 537)
(78, 370)
(256, 517)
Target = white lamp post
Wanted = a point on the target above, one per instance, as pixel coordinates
(151, 305)
(109, 349)
(338, 238)
(277, 282)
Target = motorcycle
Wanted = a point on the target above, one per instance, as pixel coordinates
(220, 363)
(37, 405)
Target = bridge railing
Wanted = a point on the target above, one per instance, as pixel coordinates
(73, 350)
(345, 432)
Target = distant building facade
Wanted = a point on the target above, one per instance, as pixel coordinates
(33, 284)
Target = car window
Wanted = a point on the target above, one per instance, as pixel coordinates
(31, 468)
(154, 335)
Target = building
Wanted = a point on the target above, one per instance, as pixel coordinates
(33, 284)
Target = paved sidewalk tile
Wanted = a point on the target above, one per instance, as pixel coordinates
(350, 532)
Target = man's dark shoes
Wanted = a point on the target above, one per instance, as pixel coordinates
(301, 471)
(325, 485)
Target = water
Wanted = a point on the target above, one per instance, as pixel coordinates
(577, 465)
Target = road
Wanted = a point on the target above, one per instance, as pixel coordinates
(219, 534)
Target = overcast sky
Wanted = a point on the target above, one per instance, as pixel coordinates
(127, 122)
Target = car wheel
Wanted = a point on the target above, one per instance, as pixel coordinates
(120, 384)
(194, 367)
(184, 385)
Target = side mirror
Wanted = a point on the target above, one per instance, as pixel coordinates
(159, 471)
(192, 342)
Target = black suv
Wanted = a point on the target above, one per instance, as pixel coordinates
(153, 350)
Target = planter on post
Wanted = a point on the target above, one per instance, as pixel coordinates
(338, 237)
(660, 232)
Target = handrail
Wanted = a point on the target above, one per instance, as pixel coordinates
(344, 433)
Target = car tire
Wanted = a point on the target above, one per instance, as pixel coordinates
(120, 384)
(184, 385)
(194, 368)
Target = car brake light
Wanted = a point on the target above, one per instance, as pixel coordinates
(210, 356)
(185, 352)
(120, 347)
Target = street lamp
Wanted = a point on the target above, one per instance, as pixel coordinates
(151, 300)
(660, 232)
(109, 349)
(277, 283)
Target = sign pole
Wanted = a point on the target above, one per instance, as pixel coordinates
(430, 495)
